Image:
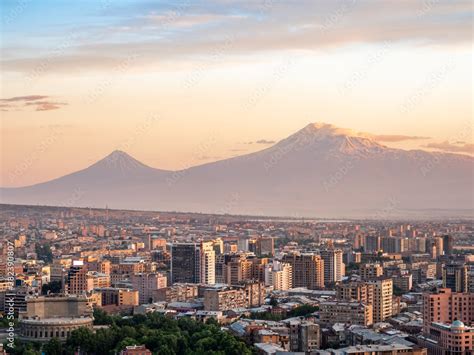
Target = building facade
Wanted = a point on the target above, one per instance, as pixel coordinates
(146, 284)
(346, 312)
(307, 270)
(48, 317)
(334, 268)
(456, 277)
(383, 302)
(445, 306)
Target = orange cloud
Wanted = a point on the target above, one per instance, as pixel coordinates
(24, 98)
(452, 147)
(36, 101)
(262, 141)
(396, 138)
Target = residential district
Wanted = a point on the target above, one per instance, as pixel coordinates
(90, 281)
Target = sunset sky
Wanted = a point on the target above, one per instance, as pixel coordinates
(177, 84)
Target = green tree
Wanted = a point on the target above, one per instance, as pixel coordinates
(43, 252)
(52, 287)
(124, 343)
(158, 333)
(23, 348)
(101, 317)
(83, 338)
(273, 301)
(53, 347)
(397, 291)
(302, 311)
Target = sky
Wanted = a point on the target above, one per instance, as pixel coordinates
(181, 83)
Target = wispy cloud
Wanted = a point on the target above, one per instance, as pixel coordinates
(397, 138)
(183, 20)
(24, 98)
(262, 141)
(5, 107)
(166, 35)
(37, 102)
(457, 147)
(265, 141)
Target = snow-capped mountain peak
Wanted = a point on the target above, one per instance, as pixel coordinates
(328, 138)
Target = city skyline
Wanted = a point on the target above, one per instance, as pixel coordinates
(83, 275)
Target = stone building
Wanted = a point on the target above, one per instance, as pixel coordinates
(347, 312)
(307, 270)
(56, 316)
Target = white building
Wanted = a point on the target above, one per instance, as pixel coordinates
(279, 275)
(207, 263)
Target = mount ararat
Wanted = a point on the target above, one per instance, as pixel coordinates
(320, 171)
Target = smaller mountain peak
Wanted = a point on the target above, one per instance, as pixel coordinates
(119, 153)
(119, 159)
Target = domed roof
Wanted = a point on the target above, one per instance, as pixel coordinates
(457, 324)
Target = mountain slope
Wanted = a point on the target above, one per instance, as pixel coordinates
(113, 177)
(320, 170)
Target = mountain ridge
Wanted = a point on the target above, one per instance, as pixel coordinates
(319, 170)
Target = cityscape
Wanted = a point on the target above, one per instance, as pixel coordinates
(225, 177)
(265, 285)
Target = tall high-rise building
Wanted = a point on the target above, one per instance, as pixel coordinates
(417, 245)
(370, 271)
(146, 284)
(358, 242)
(185, 263)
(456, 277)
(265, 246)
(207, 263)
(243, 244)
(237, 269)
(221, 261)
(437, 247)
(383, 302)
(394, 244)
(78, 281)
(471, 280)
(193, 263)
(252, 246)
(448, 244)
(307, 270)
(258, 268)
(372, 243)
(355, 291)
(334, 268)
(218, 245)
(279, 275)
